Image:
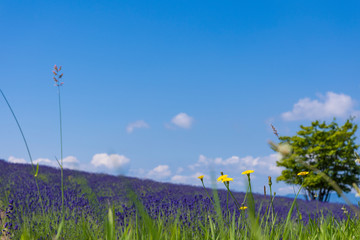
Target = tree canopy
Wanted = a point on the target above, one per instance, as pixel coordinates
(329, 148)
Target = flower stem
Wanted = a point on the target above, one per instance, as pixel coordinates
(27, 148)
(61, 154)
(207, 193)
(236, 202)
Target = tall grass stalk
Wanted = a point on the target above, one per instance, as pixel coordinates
(59, 84)
(35, 171)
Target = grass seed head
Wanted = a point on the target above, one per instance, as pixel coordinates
(264, 191)
(55, 72)
(274, 130)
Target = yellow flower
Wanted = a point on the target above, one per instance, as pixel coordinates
(201, 177)
(226, 179)
(302, 173)
(243, 208)
(247, 172)
(221, 177)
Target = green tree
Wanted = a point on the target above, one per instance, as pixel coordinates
(330, 149)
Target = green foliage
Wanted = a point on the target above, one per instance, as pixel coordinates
(43, 177)
(37, 170)
(85, 189)
(328, 148)
(109, 226)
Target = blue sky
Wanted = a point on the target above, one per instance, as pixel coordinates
(169, 90)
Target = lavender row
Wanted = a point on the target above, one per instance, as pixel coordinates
(89, 195)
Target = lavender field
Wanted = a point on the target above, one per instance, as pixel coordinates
(88, 197)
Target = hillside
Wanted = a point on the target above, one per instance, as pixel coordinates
(92, 193)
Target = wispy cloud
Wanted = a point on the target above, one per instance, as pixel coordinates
(233, 166)
(179, 170)
(159, 172)
(13, 159)
(231, 162)
(182, 120)
(46, 161)
(137, 124)
(189, 179)
(286, 190)
(332, 105)
(112, 161)
(69, 162)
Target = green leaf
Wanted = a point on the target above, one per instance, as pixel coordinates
(37, 170)
(60, 228)
(110, 234)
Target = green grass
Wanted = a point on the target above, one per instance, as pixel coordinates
(328, 228)
(142, 226)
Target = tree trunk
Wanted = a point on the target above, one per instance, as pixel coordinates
(327, 195)
(324, 195)
(311, 195)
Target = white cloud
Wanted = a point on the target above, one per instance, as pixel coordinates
(202, 162)
(159, 172)
(182, 120)
(231, 162)
(235, 160)
(13, 159)
(138, 124)
(268, 163)
(286, 190)
(191, 179)
(202, 159)
(46, 161)
(179, 170)
(70, 159)
(235, 165)
(69, 162)
(180, 179)
(333, 105)
(113, 161)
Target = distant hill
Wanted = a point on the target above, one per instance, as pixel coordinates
(333, 198)
(93, 192)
